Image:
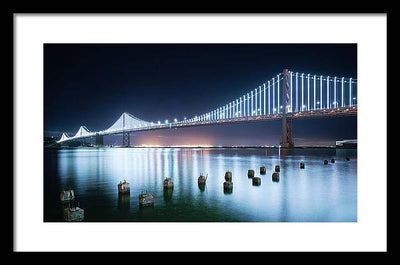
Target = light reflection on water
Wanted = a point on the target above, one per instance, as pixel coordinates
(317, 193)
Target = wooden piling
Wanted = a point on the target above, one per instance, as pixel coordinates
(228, 187)
(275, 176)
(124, 187)
(256, 181)
(250, 173)
(228, 176)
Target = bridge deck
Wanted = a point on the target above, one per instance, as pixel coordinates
(313, 114)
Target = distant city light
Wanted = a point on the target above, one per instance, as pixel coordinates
(159, 122)
(166, 121)
(175, 120)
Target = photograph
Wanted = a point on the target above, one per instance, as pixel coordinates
(200, 132)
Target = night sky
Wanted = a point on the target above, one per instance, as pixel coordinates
(93, 84)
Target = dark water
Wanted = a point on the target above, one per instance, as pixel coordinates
(318, 193)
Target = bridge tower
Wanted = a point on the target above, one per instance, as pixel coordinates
(287, 140)
(126, 141)
(99, 140)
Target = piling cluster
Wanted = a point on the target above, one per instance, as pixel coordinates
(326, 162)
(70, 207)
(275, 174)
(145, 198)
(256, 181)
(72, 211)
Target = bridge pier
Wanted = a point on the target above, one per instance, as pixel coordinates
(99, 140)
(126, 139)
(287, 140)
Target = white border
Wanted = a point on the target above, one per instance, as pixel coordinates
(32, 234)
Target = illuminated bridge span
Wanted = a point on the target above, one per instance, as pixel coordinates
(287, 96)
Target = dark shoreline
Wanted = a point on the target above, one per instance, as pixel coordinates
(212, 147)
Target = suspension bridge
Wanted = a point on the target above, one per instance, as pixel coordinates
(287, 96)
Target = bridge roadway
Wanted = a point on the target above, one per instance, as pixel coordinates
(312, 114)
